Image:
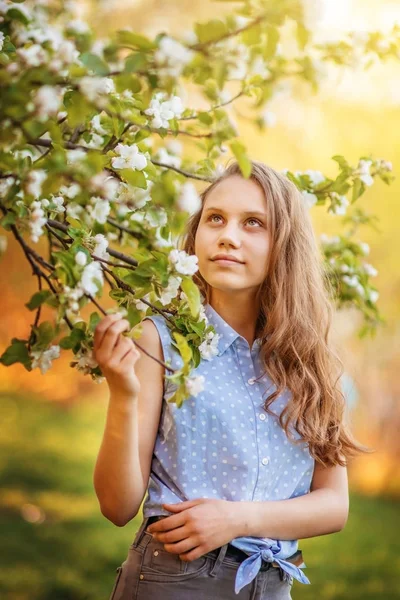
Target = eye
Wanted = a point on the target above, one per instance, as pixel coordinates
(255, 221)
(251, 219)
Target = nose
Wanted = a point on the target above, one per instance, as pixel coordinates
(230, 236)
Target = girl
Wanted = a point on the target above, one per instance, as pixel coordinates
(258, 459)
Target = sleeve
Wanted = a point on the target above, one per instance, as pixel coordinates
(170, 355)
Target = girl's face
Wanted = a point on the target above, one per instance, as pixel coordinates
(234, 222)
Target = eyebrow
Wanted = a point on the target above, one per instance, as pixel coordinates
(245, 212)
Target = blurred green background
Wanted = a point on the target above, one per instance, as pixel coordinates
(55, 542)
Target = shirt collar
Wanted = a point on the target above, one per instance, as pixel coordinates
(227, 335)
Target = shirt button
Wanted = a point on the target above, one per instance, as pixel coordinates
(265, 461)
(262, 417)
(251, 381)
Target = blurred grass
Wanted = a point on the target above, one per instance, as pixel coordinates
(56, 545)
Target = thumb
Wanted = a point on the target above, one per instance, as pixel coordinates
(179, 506)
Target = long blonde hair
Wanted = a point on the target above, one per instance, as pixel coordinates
(294, 321)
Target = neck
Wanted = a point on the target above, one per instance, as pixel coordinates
(240, 314)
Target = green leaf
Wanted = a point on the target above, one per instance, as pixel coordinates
(239, 151)
(128, 81)
(129, 38)
(16, 353)
(269, 49)
(93, 321)
(210, 31)
(38, 299)
(77, 108)
(134, 62)
(44, 335)
(193, 294)
(18, 15)
(303, 35)
(94, 63)
(135, 178)
(183, 347)
(8, 220)
(73, 340)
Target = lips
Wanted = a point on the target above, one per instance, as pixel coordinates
(227, 259)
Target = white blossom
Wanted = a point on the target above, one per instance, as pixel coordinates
(100, 249)
(172, 56)
(65, 54)
(195, 385)
(268, 118)
(209, 347)
(105, 185)
(86, 361)
(96, 141)
(70, 191)
(2, 37)
(75, 156)
(162, 155)
(364, 247)
(59, 202)
(92, 274)
(329, 241)
(315, 176)
(81, 258)
(188, 199)
(352, 281)
(163, 111)
(97, 126)
(141, 305)
(35, 180)
(310, 199)
(183, 263)
(100, 210)
(43, 358)
(340, 204)
(156, 216)
(259, 67)
(34, 56)
(5, 185)
(373, 295)
(129, 193)
(74, 210)
(370, 270)
(96, 87)
(37, 221)
(129, 158)
(79, 26)
(171, 290)
(364, 167)
(174, 146)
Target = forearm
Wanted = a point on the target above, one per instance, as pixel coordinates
(318, 513)
(118, 477)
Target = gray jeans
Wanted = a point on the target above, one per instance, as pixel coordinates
(151, 573)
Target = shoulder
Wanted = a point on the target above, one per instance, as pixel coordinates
(149, 338)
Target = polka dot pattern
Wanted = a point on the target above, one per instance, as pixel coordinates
(223, 444)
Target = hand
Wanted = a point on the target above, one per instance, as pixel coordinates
(116, 355)
(197, 527)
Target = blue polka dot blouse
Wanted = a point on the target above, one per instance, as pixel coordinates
(223, 444)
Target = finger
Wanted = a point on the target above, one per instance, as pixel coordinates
(193, 554)
(102, 327)
(182, 505)
(172, 536)
(122, 347)
(168, 523)
(112, 335)
(183, 547)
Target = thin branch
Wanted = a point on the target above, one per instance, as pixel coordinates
(114, 253)
(202, 45)
(185, 173)
(196, 116)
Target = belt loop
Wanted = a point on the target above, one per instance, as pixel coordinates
(139, 534)
(218, 561)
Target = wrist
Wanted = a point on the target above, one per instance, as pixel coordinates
(239, 518)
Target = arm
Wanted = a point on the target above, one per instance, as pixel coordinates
(123, 464)
(324, 510)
